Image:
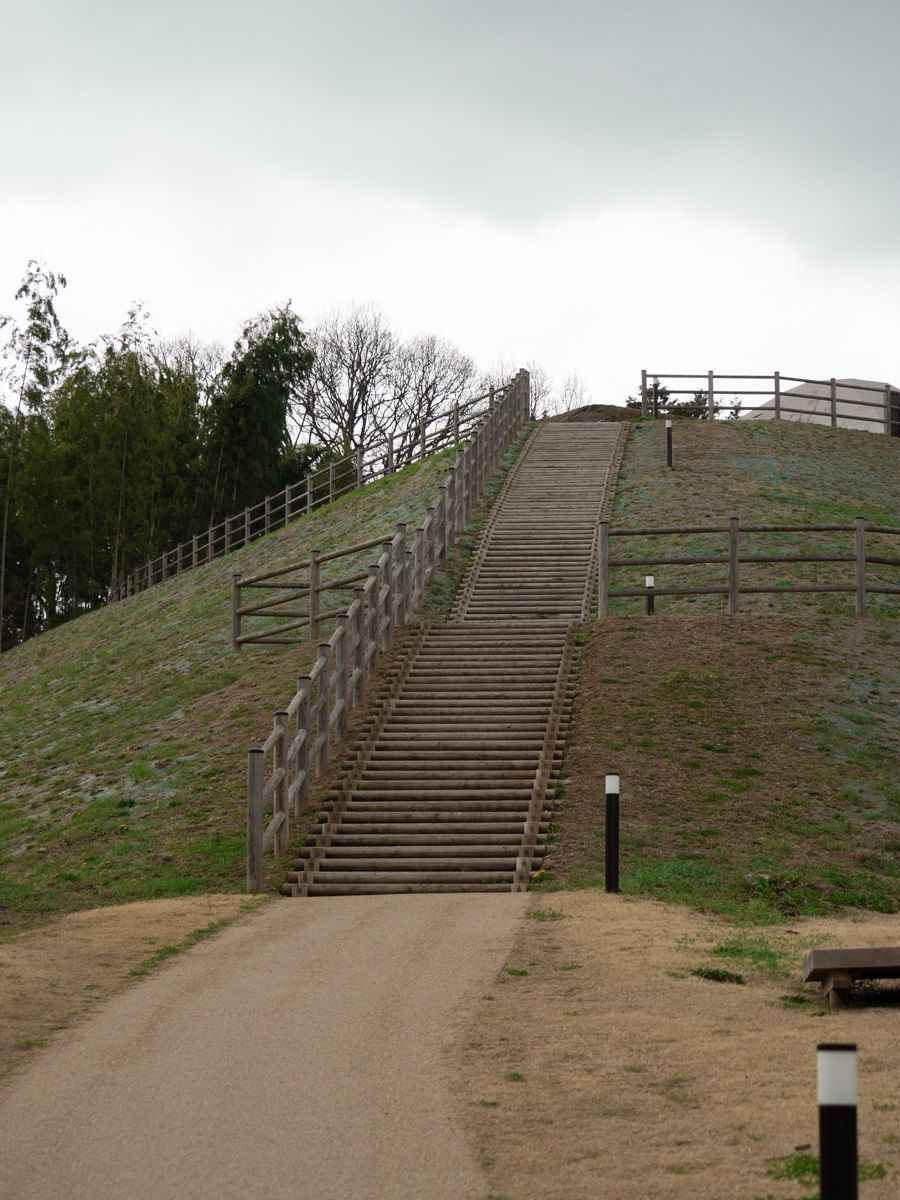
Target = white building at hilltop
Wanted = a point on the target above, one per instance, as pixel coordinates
(856, 408)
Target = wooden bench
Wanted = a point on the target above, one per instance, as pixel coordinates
(837, 970)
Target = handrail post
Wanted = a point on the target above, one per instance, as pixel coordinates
(236, 612)
(603, 571)
(323, 725)
(777, 395)
(301, 799)
(280, 804)
(443, 540)
(643, 393)
(254, 820)
(388, 549)
(403, 613)
(314, 577)
(711, 394)
(833, 396)
(859, 542)
(451, 505)
(359, 652)
(340, 684)
(373, 614)
(734, 565)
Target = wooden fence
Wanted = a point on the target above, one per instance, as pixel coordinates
(733, 560)
(386, 596)
(342, 475)
(730, 390)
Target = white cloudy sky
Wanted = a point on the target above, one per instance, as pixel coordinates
(598, 186)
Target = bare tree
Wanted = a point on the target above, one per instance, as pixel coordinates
(573, 394)
(428, 377)
(350, 380)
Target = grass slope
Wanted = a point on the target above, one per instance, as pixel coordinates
(125, 732)
(760, 755)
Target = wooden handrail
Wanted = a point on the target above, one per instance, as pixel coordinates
(390, 594)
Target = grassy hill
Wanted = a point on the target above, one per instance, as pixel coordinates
(760, 755)
(125, 732)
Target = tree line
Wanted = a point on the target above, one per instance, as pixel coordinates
(115, 451)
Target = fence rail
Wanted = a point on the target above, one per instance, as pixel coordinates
(883, 406)
(364, 465)
(386, 596)
(734, 560)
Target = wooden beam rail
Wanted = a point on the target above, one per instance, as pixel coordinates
(386, 595)
(361, 466)
(888, 399)
(862, 586)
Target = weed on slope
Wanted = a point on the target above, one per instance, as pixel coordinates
(125, 732)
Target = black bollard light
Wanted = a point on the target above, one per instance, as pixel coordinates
(669, 462)
(649, 583)
(838, 1170)
(611, 865)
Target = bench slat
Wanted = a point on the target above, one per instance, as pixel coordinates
(881, 962)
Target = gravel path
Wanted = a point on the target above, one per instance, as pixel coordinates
(302, 1052)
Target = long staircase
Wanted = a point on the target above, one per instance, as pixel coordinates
(452, 786)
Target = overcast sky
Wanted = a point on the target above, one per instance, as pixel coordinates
(600, 187)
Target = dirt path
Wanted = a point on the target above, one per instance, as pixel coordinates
(599, 1065)
(299, 1052)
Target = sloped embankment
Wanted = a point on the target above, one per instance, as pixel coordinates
(124, 733)
(759, 754)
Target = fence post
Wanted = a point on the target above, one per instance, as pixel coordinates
(422, 436)
(359, 466)
(301, 798)
(443, 523)
(330, 482)
(340, 683)
(246, 526)
(310, 492)
(403, 613)
(388, 549)
(777, 395)
(267, 526)
(194, 550)
(280, 803)
(887, 409)
(236, 612)
(209, 544)
(227, 523)
(165, 565)
(315, 582)
(711, 392)
(643, 393)
(451, 505)
(359, 652)
(287, 503)
(389, 468)
(178, 558)
(603, 571)
(254, 820)
(323, 723)
(833, 396)
(734, 565)
(859, 541)
(455, 422)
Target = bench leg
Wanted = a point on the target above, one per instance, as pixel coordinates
(836, 986)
